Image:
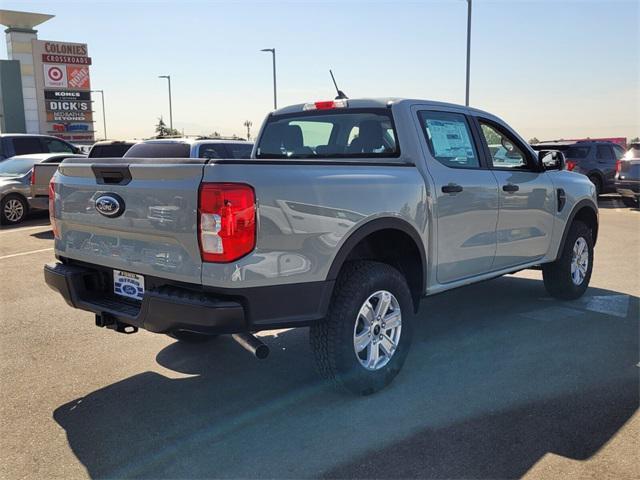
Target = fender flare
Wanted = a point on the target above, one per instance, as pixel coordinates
(577, 207)
(375, 225)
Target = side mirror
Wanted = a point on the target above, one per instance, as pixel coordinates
(551, 159)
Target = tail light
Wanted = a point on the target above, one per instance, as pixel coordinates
(570, 165)
(226, 221)
(52, 208)
(618, 166)
(326, 105)
(33, 176)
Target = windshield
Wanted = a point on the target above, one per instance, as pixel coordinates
(354, 133)
(14, 167)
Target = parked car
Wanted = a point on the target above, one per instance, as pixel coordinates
(110, 148)
(628, 176)
(595, 159)
(12, 144)
(190, 148)
(347, 214)
(15, 188)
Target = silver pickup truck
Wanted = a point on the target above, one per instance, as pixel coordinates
(347, 213)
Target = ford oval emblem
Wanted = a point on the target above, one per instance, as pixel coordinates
(110, 205)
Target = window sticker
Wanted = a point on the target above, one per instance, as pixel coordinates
(449, 138)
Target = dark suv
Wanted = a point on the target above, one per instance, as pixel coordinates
(595, 159)
(12, 144)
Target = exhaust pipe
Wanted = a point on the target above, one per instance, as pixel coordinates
(252, 344)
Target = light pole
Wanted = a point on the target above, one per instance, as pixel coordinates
(168, 77)
(248, 125)
(275, 98)
(466, 102)
(104, 116)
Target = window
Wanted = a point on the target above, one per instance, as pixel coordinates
(577, 152)
(618, 151)
(504, 152)
(239, 150)
(331, 134)
(56, 146)
(449, 139)
(159, 150)
(604, 152)
(109, 150)
(212, 150)
(26, 145)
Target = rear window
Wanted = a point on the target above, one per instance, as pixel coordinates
(577, 152)
(106, 151)
(348, 133)
(26, 145)
(159, 150)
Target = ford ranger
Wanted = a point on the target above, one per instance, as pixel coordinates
(347, 213)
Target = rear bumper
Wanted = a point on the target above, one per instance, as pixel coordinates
(628, 189)
(39, 203)
(168, 307)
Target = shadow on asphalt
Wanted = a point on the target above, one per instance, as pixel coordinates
(35, 219)
(498, 375)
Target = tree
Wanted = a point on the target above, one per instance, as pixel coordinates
(533, 141)
(163, 131)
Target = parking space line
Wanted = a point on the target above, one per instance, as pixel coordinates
(22, 229)
(26, 253)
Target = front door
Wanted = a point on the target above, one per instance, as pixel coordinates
(527, 198)
(466, 196)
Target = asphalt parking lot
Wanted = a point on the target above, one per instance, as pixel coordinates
(502, 382)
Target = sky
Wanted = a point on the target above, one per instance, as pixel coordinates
(551, 69)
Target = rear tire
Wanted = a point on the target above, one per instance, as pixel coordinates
(630, 202)
(597, 182)
(191, 337)
(371, 313)
(13, 209)
(568, 277)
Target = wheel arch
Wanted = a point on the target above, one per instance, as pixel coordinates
(586, 212)
(370, 242)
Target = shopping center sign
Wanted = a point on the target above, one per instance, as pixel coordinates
(63, 87)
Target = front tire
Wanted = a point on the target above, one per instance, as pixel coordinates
(13, 209)
(568, 277)
(363, 342)
(630, 202)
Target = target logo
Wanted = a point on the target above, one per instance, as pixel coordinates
(54, 76)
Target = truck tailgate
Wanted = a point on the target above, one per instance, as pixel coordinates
(154, 233)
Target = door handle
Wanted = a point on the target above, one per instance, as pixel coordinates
(510, 188)
(452, 188)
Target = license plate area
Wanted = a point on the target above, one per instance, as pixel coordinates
(128, 285)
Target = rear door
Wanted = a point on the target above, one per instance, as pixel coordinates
(466, 195)
(26, 145)
(527, 199)
(155, 230)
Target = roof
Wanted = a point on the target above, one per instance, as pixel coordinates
(45, 156)
(196, 140)
(114, 142)
(383, 103)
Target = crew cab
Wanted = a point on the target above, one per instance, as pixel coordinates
(347, 213)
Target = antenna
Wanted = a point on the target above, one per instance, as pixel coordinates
(341, 94)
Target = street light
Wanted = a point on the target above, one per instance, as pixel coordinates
(168, 77)
(468, 49)
(275, 98)
(104, 116)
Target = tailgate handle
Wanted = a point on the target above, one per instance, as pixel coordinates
(111, 174)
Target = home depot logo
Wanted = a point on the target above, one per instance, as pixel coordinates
(78, 77)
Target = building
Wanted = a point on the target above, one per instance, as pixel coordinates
(44, 85)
